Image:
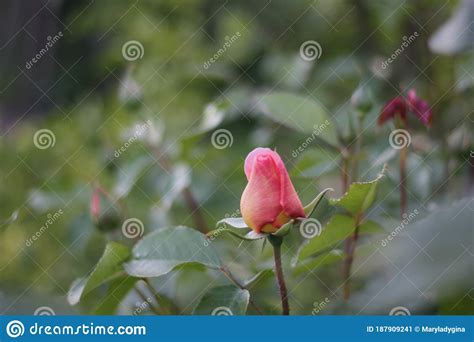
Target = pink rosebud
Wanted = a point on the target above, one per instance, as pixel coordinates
(419, 107)
(395, 106)
(269, 199)
(104, 212)
(95, 204)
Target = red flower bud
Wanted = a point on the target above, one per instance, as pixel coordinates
(95, 204)
(398, 105)
(395, 106)
(104, 212)
(269, 199)
(419, 107)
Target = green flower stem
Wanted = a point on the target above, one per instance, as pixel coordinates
(357, 148)
(346, 266)
(349, 249)
(403, 124)
(403, 188)
(344, 169)
(276, 242)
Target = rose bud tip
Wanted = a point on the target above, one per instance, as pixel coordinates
(269, 199)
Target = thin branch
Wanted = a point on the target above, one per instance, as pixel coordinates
(403, 189)
(348, 255)
(187, 194)
(349, 250)
(344, 170)
(165, 306)
(231, 277)
(193, 206)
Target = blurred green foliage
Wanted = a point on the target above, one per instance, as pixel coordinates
(172, 165)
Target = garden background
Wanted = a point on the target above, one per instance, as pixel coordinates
(153, 106)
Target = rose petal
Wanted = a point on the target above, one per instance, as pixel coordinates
(290, 201)
(395, 106)
(260, 202)
(249, 161)
(419, 107)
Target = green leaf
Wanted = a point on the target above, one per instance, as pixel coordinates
(252, 235)
(129, 174)
(107, 268)
(234, 222)
(225, 108)
(309, 209)
(453, 37)
(337, 229)
(116, 292)
(334, 255)
(75, 290)
(359, 197)
(11, 219)
(314, 162)
(285, 229)
(258, 278)
(300, 113)
(223, 301)
(161, 251)
(320, 261)
(445, 235)
(288, 70)
(217, 232)
(370, 227)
